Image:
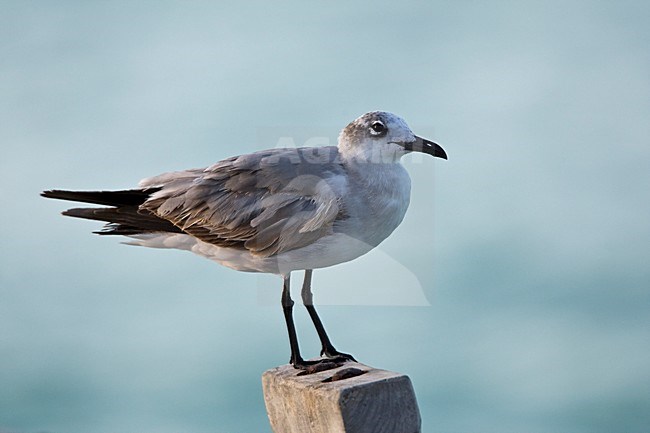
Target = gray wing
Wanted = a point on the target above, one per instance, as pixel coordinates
(267, 202)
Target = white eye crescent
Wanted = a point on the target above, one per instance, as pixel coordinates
(377, 128)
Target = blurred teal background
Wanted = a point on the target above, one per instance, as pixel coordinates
(531, 244)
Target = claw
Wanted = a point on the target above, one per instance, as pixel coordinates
(311, 367)
(336, 355)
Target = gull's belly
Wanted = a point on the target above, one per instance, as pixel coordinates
(327, 251)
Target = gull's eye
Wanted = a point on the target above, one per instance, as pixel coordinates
(377, 128)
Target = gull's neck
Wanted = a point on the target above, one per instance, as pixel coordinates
(375, 155)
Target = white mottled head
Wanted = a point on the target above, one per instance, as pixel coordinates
(382, 137)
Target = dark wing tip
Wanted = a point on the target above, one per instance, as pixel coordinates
(51, 193)
(129, 197)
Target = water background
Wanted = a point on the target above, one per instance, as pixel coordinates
(516, 294)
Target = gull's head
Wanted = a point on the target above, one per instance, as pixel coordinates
(380, 136)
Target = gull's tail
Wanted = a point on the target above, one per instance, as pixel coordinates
(124, 216)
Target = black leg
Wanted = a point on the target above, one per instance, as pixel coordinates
(296, 360)
(308, 300)
(287, 307)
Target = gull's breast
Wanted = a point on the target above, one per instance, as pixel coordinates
(377, 203)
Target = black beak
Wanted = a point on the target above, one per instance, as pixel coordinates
(425, 146)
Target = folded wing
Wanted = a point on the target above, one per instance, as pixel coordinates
(266, 202)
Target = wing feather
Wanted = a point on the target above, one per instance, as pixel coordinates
(266, 202)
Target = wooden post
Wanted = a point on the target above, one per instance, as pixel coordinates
(353, 398)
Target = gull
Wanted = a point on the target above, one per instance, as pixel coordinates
(275, 211)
